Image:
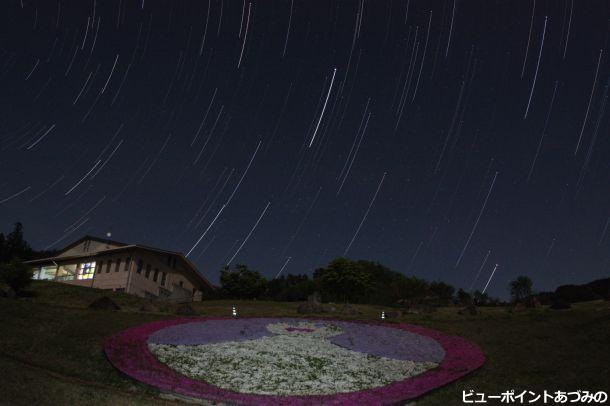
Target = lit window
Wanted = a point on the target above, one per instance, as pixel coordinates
(66, 272)
(85, 271)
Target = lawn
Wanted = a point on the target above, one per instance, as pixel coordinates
(52, 344)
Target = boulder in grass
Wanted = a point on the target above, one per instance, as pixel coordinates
(186, 310)
(104, 303)
(313, 305)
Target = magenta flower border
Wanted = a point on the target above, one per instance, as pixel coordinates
(128, 351)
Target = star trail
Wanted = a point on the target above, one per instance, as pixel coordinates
(463, 141)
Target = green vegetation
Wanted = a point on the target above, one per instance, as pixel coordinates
(16, 275)
(52, 344)
(344, 280)
(13, 246)
(520, 288)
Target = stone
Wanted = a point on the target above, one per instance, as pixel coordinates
(104, 303)
(313, 305)
(186, 310)
(314, 298)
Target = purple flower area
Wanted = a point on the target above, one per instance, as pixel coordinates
(388, 342)
(212, 331)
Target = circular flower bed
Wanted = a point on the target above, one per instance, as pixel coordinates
(291, 361)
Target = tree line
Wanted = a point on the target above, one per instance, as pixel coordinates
(345, 280)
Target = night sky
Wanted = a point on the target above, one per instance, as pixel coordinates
(439, 138)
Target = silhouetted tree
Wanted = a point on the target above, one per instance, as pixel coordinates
(343, 280)
(463, 297)
(480, 299)
(16, 274)
(520, 288)
(442, 292)
(14, 246)
(290, 288)
(242, 282)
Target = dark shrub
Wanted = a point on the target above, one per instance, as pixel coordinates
(16, 275)
(576, 293)
(104, 303)
(600, 287)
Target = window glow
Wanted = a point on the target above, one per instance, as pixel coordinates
(85, 271)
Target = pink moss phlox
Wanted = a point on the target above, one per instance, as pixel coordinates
(128, 352)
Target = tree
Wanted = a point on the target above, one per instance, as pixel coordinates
(442, 292)
(520, 288)
(13, 245)
(413, 290)
(463, 297)
(16, 274)
(343, 279)
(480, 299)
(290, 288)
(242, 282)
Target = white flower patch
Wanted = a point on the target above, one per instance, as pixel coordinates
(297, 362)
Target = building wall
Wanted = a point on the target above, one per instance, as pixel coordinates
(141, 285)
(109, 277)
(127, 278)
(88, 246)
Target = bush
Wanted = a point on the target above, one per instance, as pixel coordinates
(600, 287)
(16, 275)
(576, 293)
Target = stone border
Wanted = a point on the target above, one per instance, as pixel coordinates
(128, 352)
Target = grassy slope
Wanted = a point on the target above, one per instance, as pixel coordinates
(52, 344)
